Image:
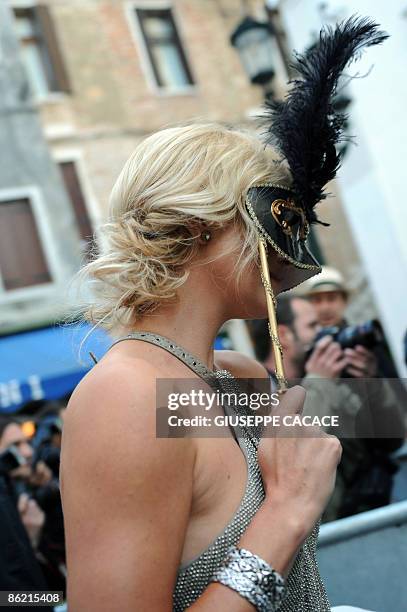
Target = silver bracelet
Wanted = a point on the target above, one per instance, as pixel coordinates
(253, 579)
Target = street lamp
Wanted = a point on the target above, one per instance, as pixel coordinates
(254, 43)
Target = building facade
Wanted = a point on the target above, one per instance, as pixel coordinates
(97, 77)
(39, 241)
(130, 68)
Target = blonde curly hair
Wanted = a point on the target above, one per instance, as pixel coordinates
(178, 182)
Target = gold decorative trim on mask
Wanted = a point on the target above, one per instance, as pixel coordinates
(276, 185)
(271, 309)
(289, 204)
(275, 246)
(275, 339)
(268, 288)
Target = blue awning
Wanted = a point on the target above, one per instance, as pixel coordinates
(46, 363)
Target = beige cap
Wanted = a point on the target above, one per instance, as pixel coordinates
(328, 280)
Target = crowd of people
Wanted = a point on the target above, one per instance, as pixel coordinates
(32, 543)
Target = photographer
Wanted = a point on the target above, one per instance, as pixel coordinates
(329, 296)
(21, 519)
(36, 485)
(365, 474)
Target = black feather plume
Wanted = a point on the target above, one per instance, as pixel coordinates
(304, 126)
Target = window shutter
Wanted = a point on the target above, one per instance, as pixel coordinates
(75, 193)
(51, 40)
(74, 190)
(22, 260)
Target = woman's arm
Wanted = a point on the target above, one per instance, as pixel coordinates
(275, 536)
(126, 496)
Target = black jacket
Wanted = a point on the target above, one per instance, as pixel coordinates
(19, 568)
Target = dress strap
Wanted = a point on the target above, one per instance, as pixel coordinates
(178, 351)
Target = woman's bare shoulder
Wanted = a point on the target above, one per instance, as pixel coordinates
(240, 365)
(115, 378)
(118, 394)
(113, 412)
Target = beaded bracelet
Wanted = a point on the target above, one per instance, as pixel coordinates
(253, 579)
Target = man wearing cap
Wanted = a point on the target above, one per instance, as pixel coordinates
(328, 293)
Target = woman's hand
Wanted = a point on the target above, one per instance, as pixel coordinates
(298, 463)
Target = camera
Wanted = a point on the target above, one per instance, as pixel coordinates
(368, 334)
(10, 459)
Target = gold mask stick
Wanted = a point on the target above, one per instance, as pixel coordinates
(272, 325)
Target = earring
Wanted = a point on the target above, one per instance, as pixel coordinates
(205, 236)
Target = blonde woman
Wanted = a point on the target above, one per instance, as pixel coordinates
(195, 523)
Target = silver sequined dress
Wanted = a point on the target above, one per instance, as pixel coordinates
(306, 590)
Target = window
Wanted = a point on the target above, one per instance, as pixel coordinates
(165, 52)
(22, 259)
(75, 194)
(40, 51)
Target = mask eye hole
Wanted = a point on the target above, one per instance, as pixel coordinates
(287, 215)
